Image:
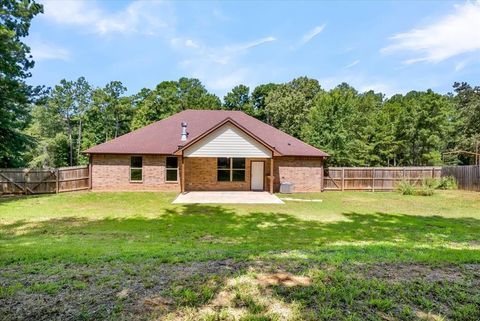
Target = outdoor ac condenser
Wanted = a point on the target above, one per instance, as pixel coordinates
(286, 188)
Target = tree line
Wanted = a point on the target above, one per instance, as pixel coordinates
(355, 128)
(50, 127)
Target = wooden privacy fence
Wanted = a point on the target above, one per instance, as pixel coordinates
(375, 178)
(41, 181)
(468, 177)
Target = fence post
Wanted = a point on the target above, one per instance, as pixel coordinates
(373, 179)
(343, 179)
(25, 179)
(57, 181)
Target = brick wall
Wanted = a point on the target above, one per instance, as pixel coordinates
(201, 175)
(112, 172)
(305, 172)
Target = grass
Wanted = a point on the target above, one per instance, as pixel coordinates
(181, 258)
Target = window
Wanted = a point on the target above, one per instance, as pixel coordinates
(223, 169)
(136, 172)
(230, 169)
(172, 169)
(238, 169)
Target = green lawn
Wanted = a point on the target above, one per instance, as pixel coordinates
(362, 256)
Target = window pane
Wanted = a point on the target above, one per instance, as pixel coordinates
(172, 175)
(239, 163)
(136, 161)
(172, 162)
(136, 174)
(223, 162)
(223, 175)
(238, 175)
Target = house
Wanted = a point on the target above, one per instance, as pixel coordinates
(206, 150)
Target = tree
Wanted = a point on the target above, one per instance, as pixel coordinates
(115, 106)
(83, 100)
(15, 63)
(259, 95)
(157, 104)
(467, 105)
(239, 99)
(193, 95)
(51, 148)
(423, 126)
(288, 105)
(58, 121)
(111, 114)
(170, 97)
(330, 125)
(62, 103)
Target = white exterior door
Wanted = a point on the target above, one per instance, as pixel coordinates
(257, 176)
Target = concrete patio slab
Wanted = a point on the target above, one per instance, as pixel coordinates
(227, 198)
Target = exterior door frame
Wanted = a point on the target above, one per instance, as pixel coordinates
(251, 174)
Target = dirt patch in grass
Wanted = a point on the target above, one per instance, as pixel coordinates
(283, 278)
(229, 290)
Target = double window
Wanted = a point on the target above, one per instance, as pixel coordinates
(172, 169)
(136, 169)
(230, 169)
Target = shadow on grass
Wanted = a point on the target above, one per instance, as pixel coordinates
(202, 232)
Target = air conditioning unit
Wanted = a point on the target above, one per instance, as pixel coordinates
(286, 188)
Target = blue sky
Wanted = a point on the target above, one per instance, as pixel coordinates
(387, 46)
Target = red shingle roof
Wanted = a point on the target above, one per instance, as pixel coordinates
(163, 137)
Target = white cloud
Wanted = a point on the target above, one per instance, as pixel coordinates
(252, 44)
(461, 65)
(190, 43)
(350, 65)
(220, 68)
(147, 17)
(451, 35)
(312, 34)
(45, 51)
(220, 81)
(184, 43)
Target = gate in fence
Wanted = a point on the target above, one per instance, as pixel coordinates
(42, 181)
(375, 178)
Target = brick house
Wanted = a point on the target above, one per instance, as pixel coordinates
(206, 150)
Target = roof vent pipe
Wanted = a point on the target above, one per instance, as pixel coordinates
(184, 131)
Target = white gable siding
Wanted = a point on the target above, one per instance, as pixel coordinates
(228, 141)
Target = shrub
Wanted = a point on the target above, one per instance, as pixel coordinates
(424, 191)
(430, 183)
(447, 182)
(406, 188)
